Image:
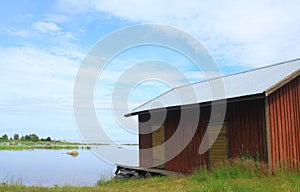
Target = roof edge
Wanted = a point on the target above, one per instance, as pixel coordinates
(283, 82)
(206, 103)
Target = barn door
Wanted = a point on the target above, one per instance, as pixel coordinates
(158, 139)
(218, 151)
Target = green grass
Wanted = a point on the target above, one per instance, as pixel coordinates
(197, 182)
(237, 176)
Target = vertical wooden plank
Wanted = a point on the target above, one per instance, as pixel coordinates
(268, 134)
(281, 111)
(288, 124)
(273, 150)
(278, 126)
(145, 142)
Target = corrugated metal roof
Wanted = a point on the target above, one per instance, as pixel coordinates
(247, 83)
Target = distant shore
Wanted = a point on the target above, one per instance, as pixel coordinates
(55, 145)
(33, 141)
(29, 145)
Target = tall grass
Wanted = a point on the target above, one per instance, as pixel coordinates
(234, 175)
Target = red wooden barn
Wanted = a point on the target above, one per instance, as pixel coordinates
(262, 119)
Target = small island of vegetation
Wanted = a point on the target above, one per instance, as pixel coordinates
(33, 141)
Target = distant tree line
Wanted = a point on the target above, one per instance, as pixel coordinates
(30, 137)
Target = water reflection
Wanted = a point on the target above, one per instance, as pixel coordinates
(55, 167)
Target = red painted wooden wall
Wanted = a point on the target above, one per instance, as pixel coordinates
(245, 120)
(284, 113)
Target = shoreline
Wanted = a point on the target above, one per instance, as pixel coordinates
(52, 145)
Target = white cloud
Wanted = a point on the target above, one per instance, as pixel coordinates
(74, 6)
(46, 27)
(250, 33)
(38, 77)
(56, 18)
(36, 90)
(21, 33)
(51, 28)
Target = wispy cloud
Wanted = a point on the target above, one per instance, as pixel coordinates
(75, 7)
(250, 33)
(36, 90)
(46, 27)
(40, 76)
(21, 33)
(56, 18)
(50, 28)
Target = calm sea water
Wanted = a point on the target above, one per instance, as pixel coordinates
(55, 167)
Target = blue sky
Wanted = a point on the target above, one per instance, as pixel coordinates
(42, 44)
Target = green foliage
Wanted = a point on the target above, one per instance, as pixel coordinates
(28, 137)
(47, 139)
(34, 137)
(4, 137)
(32, 141)
(246, 155)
